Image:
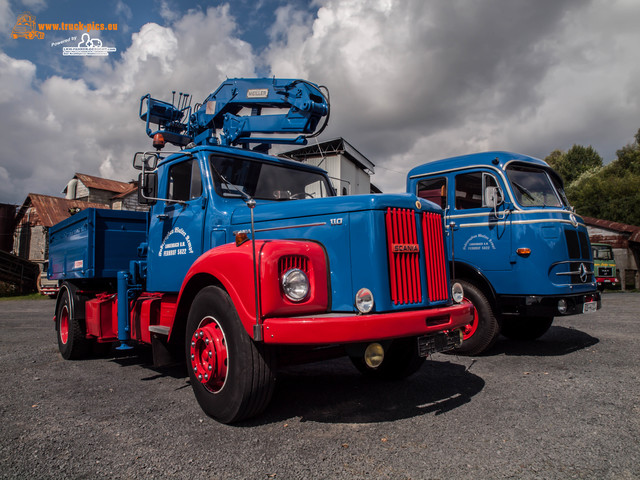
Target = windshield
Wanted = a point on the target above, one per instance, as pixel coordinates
(266, 181)
(533, 187)
(602, 253)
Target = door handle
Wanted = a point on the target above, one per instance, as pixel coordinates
(162, 216)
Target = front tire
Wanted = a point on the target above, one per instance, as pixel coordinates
(72, 341)
(232, 376)
(526, 328)
(482, 332)
(400, 360)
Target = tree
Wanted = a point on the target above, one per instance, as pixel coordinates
(610, 192)
(577, 160)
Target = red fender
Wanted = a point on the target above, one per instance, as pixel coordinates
(232, 266)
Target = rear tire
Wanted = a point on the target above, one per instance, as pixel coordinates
(526, 328)
(72, 342)
(232, 376)
(483, 331)
(400, 360)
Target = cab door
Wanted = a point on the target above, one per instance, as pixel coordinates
(477, 234)
(481, 233)
(177, 226)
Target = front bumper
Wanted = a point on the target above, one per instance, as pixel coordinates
(613, 281)
(341, 328)
(546, 305)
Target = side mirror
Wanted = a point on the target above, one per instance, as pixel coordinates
(147, 188)
(493, 197)
(145, 161)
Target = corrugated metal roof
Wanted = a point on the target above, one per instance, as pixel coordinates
(632, 230)
(102, 183)
(133, 186)
(337, 145)
(52, 210)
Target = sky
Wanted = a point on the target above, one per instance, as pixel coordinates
(411, 81)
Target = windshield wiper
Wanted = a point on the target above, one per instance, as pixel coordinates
(524, 190)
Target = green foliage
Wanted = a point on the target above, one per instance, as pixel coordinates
(610, 192)
(574, 162)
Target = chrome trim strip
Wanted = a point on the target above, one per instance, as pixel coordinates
(319, 224)
(513, 222)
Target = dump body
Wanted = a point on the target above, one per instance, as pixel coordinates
(95, 244)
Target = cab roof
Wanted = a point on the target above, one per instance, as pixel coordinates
(495, 159)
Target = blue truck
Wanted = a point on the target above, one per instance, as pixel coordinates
(246, 262)
(517, 247)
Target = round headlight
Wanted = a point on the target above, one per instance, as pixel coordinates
(457, 293)
(295, 285)
(364, 300)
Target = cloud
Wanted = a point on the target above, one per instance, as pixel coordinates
(410, 82)
(35, 6)
(426, 80)
(53, 128)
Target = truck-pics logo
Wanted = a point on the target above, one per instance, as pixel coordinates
(25, 27)
(88, 47)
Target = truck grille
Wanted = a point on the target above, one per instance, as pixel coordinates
(434, 256)
(404, 256)
(579, 248)
(293, 261)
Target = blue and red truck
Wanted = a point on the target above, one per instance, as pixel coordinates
(517, 247)
(246, 261)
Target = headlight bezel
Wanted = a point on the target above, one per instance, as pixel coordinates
(295, 285)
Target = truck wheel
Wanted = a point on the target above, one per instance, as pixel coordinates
(231, 375)
(400, 360)
(525, 328)
(72, 341)
(483, 331)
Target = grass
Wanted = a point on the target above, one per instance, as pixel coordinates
(31, 296)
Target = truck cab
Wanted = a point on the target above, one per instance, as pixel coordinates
(605, 267)
(520, 251)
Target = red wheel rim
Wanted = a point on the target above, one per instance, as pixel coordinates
(64, 325)
(209, 359)
(470, 329)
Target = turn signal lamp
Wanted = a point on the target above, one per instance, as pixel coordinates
(241, 237)
(523, 252)
(158, 141)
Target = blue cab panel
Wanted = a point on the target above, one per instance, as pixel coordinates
(95, 243)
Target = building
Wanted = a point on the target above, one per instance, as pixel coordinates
(117, 195)
(37, 214)
(7, 224)
(625, 241)
(349, 170)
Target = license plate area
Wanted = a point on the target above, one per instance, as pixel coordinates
(438, 342)
(589, 307)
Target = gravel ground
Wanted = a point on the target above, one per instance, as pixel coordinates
(565, 406)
